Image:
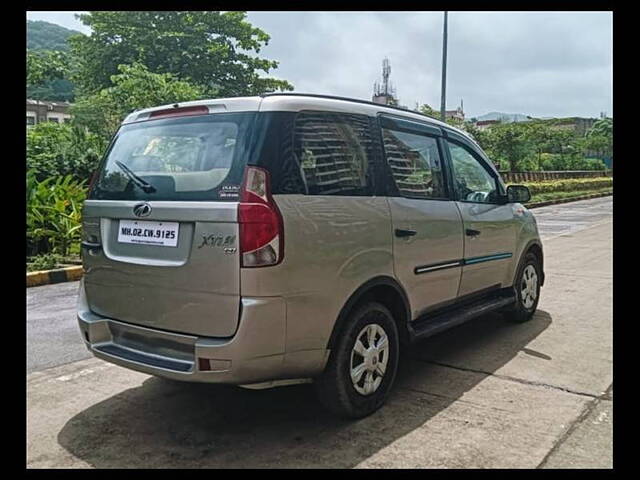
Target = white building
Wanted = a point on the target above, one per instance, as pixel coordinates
(42, 111)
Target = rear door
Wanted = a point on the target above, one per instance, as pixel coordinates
(427, 227)
(489, 225)
(160, 232)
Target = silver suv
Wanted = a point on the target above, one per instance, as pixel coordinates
(288, 238)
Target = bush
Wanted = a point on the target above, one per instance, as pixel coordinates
(569, 185)
(45, 261)
(554, 161)
(53, 214)
(58, 150)
(529, 164)
(594, 164)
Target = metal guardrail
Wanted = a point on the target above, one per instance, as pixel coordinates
(541, 176)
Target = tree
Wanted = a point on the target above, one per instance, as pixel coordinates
(456, 122)
(600, 137)
(214, 50)
(507, 143)
(59, 89)
(602, 127)
(57, 150)
(47, 36)
(134, 88)
(559, 139)
(539, 134)
(480, 136)
(45, 65)
(598, 144)
(427, 110)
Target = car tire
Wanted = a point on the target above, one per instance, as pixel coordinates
(353, 354)
(527, 288)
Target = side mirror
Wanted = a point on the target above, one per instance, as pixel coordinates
(518, 194)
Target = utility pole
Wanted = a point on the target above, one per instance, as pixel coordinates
(444, 70)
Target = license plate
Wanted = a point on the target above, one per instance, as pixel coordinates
(164, 234)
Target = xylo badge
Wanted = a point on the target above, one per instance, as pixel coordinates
(214, 240)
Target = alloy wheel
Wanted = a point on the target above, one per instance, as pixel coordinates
(529, 286)
(369, 358)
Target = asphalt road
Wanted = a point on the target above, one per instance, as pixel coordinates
(567, 218)
(486, 394)
(53, 337)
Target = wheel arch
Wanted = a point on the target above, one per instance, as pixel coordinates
(385, 290)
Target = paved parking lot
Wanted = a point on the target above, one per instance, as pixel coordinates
(486, 394)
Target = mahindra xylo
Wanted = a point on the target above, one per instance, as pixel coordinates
(284, 238)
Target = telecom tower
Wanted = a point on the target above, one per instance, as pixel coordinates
(385, 93)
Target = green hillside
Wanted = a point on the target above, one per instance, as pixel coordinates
(49, 36)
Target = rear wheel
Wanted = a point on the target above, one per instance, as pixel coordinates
(362, 365)
(527, 286)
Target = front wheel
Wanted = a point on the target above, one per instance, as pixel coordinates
(362, 365)
(527, 286)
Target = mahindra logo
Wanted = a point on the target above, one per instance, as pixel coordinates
(142, 210)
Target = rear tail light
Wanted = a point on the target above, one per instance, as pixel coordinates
(261, 227)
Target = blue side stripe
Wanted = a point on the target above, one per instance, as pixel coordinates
(459, 263)
(486, 258)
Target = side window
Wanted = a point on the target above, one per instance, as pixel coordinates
(472, 181)
(415, 164)
(333, 151)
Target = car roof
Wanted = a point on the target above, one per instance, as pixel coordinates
(295, 102)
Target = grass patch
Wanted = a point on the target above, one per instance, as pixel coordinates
(568, 185)
(46, 261)
(49, 261)
(545, 197)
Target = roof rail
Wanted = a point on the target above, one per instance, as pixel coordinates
(348, 99)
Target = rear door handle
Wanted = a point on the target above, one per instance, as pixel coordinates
(471, 232)
(404, 233)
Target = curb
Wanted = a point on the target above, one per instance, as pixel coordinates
(59, 275)
(567, 200)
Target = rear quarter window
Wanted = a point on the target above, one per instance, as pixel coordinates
(333, 153)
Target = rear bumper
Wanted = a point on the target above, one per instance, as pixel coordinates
(256, 353)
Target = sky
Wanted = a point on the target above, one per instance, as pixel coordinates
(543, 64)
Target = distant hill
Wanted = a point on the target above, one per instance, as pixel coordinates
(506, 117)
(47, 36)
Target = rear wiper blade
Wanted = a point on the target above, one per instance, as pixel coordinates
(143, 184)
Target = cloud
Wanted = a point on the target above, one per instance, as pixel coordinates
(536, 63)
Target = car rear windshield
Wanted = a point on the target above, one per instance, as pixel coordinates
(196, 158)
